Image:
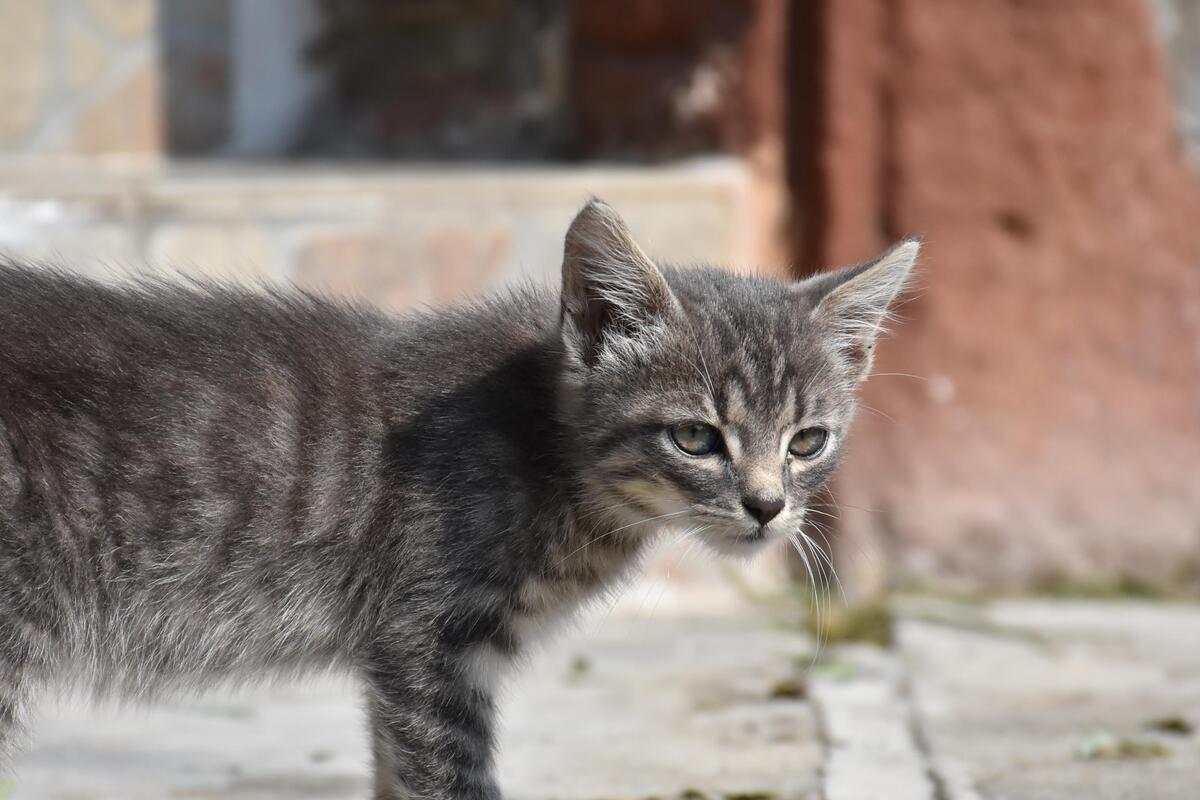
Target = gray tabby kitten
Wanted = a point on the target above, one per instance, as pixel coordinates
(199, 483)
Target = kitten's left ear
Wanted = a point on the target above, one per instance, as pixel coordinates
(851, 305)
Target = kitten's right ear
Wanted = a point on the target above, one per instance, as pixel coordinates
(612, 294)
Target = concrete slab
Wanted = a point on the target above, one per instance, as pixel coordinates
(1032, 700)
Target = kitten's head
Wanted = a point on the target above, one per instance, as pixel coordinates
(710, 400)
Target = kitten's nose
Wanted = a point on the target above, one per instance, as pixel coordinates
(762, 509)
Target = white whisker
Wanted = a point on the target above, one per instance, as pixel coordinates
(814, 584)
(591, 542)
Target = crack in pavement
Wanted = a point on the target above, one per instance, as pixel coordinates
(871, 734)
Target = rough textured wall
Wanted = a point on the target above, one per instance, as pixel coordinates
(1055, 425)
(80, 77)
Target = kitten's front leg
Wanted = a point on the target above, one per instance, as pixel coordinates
(431, 730)
(387, 783)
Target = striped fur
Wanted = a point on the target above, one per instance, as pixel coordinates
(202, 484)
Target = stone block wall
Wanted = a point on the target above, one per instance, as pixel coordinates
(400, 238)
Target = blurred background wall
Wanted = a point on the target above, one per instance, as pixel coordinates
(1037, 416)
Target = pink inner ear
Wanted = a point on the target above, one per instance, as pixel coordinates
(593, 315)
(593, 318)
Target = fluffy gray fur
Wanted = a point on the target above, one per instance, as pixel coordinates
(201, 483)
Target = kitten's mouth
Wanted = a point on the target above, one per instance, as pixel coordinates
(737, 541)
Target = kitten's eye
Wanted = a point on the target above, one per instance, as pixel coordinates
(696, 438)
(808, 442)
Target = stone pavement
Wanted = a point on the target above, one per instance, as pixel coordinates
(1012, 700)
